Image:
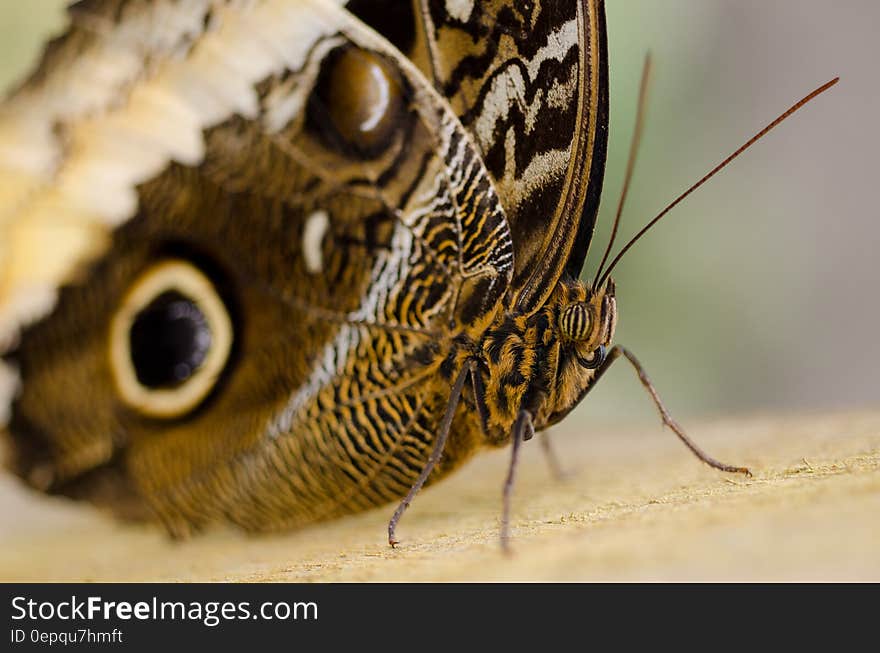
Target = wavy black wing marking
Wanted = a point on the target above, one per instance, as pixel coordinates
(529, 81)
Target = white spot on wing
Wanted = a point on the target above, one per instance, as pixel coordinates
(313, 239)
(460, 9)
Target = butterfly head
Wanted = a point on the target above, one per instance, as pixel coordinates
(586, 322)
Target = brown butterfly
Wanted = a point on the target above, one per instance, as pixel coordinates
(273, 262)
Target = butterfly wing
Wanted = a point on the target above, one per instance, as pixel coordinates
(529, 80)
(341, 266)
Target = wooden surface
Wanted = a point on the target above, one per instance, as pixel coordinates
(638, 507)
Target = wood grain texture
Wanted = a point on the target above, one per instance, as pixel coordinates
(638, 507)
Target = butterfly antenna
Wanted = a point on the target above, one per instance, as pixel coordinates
(631, 161)
(713, 172)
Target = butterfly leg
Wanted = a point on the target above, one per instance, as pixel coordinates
(445, 426)
(618, 351)
(556, 469)
(523, 429)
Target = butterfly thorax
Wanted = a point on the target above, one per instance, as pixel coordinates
(545, 362)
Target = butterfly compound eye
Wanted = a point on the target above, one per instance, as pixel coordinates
(358, 97)
(169, 340)
(576, 322)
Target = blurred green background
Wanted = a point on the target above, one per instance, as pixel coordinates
(760, 293)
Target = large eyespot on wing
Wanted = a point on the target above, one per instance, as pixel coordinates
(169, 340)
(343, 257)
(529, 81)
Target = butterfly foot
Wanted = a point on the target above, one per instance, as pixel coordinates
(724, 467)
